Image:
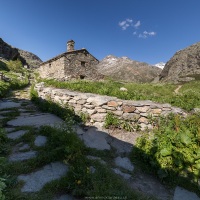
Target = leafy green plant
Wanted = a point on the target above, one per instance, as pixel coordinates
(112, 121)
(173, 148)
(15, 66)
(84, 117)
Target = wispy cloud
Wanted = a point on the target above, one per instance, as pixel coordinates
(126, 23)
(146, 34)
(137, 24)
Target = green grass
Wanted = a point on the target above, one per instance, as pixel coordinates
(64, 145)
(188, 97)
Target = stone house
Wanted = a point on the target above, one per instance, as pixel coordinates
(73, 64)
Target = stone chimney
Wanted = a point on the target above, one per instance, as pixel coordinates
(70, 45)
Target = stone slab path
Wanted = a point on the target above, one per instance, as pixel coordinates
(36, 120)
(93, 137)
(35, 181)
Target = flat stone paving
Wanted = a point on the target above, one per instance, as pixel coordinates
(17, 134)
(9, 104)
(35, 181)
(95, 139)
(182, 194)
(36, 120)
(40, 141)
(20, 156)
(124, 163)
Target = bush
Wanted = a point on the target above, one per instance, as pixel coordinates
(173, 148)
(15, 66)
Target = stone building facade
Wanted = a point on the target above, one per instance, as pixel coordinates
(73, 64)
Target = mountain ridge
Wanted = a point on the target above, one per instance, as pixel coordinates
(9, 52)
(125, 69)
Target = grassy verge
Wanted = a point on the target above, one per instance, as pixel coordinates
(188, 97)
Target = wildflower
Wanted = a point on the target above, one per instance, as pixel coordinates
(78, 182)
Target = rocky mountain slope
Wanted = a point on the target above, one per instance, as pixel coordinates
(184, 66)
(128, 70)
(11, 53)
(32, 60)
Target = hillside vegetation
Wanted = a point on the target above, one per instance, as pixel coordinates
(187, 98)
(16, 76)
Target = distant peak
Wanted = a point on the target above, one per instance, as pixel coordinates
(160, 65)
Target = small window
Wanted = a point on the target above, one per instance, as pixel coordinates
(82, 63)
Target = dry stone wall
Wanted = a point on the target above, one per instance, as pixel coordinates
(97, 106)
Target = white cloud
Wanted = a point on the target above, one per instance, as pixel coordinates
(126, 23)
(129, 21)
(142, 35)
(145, 34)
(137, 24)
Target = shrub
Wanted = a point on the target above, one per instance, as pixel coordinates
(173, 148)
(15, 66)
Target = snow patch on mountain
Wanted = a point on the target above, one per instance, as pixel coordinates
(161, 65)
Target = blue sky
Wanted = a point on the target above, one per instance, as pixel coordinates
(145, 30)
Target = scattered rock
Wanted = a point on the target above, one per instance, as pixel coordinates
(182, 194)
(22, 156)
(16, 135)
(196, 110)
(40, 141)
(123, 89)
(124, 163)
(35, 181)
